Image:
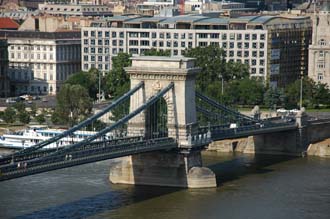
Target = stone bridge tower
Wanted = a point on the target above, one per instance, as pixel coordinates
(180, 168)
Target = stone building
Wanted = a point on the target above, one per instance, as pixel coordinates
(39, 62)
(319, 50)
(275, 47)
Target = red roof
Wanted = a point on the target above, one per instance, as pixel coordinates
(7, 23)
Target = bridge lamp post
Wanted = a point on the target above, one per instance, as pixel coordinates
(301, 90)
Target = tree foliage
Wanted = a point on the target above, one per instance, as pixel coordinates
(9, 115)
(73, 105)
(89, 80)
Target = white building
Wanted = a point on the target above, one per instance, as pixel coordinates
(39, 62)
(319, 50)
(274, 47)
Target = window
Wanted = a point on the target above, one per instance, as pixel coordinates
(254, 36)
(262, 62)
(161, 35)
(239, 36)
(121, 42)
(262, 45)
(175, 44)
(144, 43)
(239, 45)
(99, 50)
(168, 35)
(239, 53)
(261, 71)
(154, 35)
(214, 35)
(86, 66)
(262, 36)
(161, 43)
(99, 33)
(224, 45)
(232, 36)
(107, 34)
(85, 49)
(85, 42)
(106, 42)
(231, 53)
(121, 34)
(246, 45)
(254, 62)
(254, 45)
(231, 45)
(253, 71)
(183, 44)
(202, 44)
(247, 36)
(322, 42)
(320, 76)
(144, 34)
(93, 33)
(176, 35)
(183, 36)
(114, 34)
(321, 54)
(93, 58)
(190, 36)
(114, 51)
(168, 43)
(99, 58)
(99, 42)
(224, 36)
(93, 50)
(92, 42)
(202, 35)
(133, 43)
(320, 65)
(114, 42)
(261, 54)
(246, 53)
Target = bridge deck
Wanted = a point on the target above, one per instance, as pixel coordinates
(93, 153)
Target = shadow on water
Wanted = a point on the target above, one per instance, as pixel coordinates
(232, 166)
(120, 196)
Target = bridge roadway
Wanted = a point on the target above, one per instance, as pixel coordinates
(95, 151)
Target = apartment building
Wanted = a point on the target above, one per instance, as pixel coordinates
(319, 50)
(275, 47)
(39, 62)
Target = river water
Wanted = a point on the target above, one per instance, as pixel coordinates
(249, 187)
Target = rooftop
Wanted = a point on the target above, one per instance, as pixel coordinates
(7, 23)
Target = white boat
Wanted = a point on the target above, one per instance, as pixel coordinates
(36, 134)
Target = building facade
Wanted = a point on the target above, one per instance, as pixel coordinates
(319, 50)
(275, 48)
(39, 62)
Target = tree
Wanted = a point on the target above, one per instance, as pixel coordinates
(19, 106)
(274, 96)
(292, 92)
(155, 52)
(212, 62)
(41, 118)
(73, 104)
(24, 117)
(9, 115)
(89, 80)
(117, 81)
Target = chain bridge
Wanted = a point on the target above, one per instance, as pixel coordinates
(158, 129)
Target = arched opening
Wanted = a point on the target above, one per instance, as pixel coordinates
(156, 120)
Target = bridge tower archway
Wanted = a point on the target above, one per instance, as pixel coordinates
(157, 73)
(178, 168)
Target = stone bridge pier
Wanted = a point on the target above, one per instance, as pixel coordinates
(183, 166)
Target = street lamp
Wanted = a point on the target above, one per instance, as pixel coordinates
(301, 87)
(99, 99)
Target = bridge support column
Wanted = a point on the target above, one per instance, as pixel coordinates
(163, 169)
